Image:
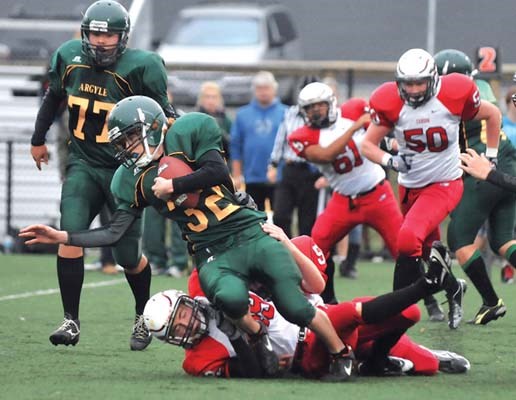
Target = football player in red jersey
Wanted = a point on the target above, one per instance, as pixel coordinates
(425, 111)
(361, 194)
(371, 326)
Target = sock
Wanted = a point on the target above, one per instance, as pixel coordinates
(406, 271)
(390, 304)
(328, 294)
(510, 254)
(381, 349)
(140, 285)
(70, 274)
(475, 269)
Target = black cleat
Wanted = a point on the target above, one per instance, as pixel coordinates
(140, 337)
(392, 366)
(348, 271)
(68, 333)
(487, 314)
(455, 304)
(262, 346)
(439, 266)
(435, 312)
(342, 366)
(451, 363)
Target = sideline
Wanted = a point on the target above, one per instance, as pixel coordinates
(54, 291)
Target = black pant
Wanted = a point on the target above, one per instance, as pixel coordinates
(296, 190)
(259, 192)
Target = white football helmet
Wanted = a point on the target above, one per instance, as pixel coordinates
(317, 92)
(417, 65)
(176, 318)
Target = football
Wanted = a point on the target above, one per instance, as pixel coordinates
(170, 168)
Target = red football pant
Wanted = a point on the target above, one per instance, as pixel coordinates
(424, 209)
(378, 209)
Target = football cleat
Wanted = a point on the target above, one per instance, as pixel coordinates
(455, 304)
(262, 346)
(439, 266)
(141, 336)
(342, 366)
(487, 314)
(68, 333)
(435, 312)
(393, 366)
(451, 363)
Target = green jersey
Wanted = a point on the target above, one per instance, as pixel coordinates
(217, 216)
(475, 131)
(92, 92)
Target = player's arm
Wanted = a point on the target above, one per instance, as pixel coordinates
(318, 154)
(371, 144)
(212, 171)
(47, 113)
(106, 235)
(491, 114)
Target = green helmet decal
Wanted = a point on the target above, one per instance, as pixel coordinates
(451, 60)
(135, 121)
(105, 16)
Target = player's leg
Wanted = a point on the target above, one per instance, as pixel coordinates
(153, 240)
(81, 200)
(474, 209)
(424, 210)
(277, 270)
(335, 222)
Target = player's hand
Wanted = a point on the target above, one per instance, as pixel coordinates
(321, 183)
(476, 165)
(39, 155)
(285, 361)
(276, 232)
(272, 174)
(162, 188)
(400, 162)
(227, 326)
(246, 200)
(39, 233)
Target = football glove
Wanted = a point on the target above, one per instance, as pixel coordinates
(400, 162)
(244, 199)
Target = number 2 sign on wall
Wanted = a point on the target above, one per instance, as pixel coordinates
(488, 61)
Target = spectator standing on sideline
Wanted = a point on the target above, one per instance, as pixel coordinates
(293, 176)
(252, 139)
(91, 75)
(425, 112)
(211, 102)
(481, 201)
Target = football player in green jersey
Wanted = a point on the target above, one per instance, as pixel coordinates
(92, 74)
(481, 201)
(225, 237)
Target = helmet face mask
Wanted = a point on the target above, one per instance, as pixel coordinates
(136, 130)
(416, 66)
(176, 318)
(309, 102)
(105, 16)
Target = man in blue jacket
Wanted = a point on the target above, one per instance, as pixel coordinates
(252, 138)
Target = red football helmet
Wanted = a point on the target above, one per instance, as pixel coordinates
(310, 249)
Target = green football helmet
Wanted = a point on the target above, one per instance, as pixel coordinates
(135, 121)
(451, 60)
(105, 16)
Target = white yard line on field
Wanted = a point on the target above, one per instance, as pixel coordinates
(44, 292)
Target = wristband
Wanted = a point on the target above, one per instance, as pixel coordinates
(491, 152)
(385, 159)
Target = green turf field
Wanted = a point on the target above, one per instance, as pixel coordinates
(101, 366)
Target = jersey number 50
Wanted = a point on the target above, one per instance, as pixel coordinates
(436, 139)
